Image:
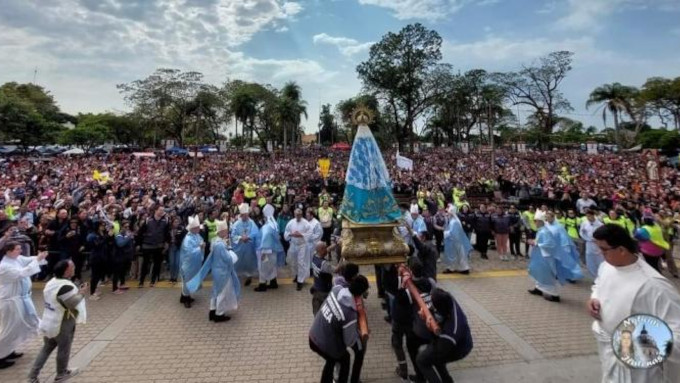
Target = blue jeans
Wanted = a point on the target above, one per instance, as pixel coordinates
(173, 262)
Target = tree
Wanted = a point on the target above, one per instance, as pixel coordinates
(29, 116)
(537, 86)
(292, 109)
(89, 132)
(164, 99)
(614, 99)
(402, 71)
(328, 128)
(662, 95)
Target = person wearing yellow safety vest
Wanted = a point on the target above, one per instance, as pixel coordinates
(651, 241)
(249, 190)
(458, 192)
(439, 198)
(617, 218)
(325, 213)
(421, 195)
(529, 226)
(666, 223)
(572, 224)
(324, 197)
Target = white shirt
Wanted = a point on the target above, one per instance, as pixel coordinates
(302, 226)
(635, 289)
(583, 204)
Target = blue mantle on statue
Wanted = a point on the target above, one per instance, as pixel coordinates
(368, 195)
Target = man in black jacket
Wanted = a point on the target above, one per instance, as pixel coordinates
(427, 254)
(482, 226)
(154, 236)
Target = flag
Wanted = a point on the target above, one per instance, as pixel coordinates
(404, 163)
(324, 167)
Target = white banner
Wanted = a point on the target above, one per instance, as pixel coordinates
(404, 163)
(522, 147)
(223, 145)
(591, 148)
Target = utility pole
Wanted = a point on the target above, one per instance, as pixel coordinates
(491, 137)
(198, 121)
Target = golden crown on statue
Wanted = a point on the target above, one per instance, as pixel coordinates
(362, 115)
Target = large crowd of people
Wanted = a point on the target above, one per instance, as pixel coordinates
(241, 216)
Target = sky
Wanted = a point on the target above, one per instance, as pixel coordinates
(83, 48)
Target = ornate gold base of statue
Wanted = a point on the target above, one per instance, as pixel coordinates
(373, 244)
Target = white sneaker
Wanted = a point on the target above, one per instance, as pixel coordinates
(95, 297)
(68, 375)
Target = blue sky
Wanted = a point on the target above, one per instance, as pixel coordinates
(83, 48)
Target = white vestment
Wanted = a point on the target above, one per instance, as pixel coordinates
(315, 234)
(629, 290)
(594, 257)
(299, 258)
(18, 318)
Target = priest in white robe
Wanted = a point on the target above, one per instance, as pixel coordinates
(315, 233)
(299, 259)
(593, 254)
(18, 318)
(627, 285)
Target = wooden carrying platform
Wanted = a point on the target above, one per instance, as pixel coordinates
(373, 244)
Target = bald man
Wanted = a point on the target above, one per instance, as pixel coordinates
(323, 275)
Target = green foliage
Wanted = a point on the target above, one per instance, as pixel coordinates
(328, 128)
(177, 105)
(91, 131)
(403, 70)
(537, 86)
(659, 139)
(28, 115)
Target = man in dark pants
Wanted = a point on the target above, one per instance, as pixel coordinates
(403, 312)
(335, 332)
(427, 254)
(63, 305)
(154, 237)
(482, 226)
(322, 270)
(453, 343)
(515, 231)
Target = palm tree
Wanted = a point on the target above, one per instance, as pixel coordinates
(293, 107)
(613, 98)
(244, 107)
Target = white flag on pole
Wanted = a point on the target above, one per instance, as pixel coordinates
(404, 163)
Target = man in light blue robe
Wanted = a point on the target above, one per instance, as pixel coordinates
(457, 245)
(190, 257)
(269, 250)
(542, 265)
(568, 258)
(244, 237)
(226, 289)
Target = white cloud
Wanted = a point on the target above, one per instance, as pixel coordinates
(419, 9)
(347, 46)
(589, 14)
(83, 48)
(500, 50)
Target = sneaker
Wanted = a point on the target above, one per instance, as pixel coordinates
(68, 375)
(535, 291)
(123, 288)
(95, 297)
(118, 292)
(552, 298)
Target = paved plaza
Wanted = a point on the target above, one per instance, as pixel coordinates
(146, 335)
